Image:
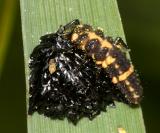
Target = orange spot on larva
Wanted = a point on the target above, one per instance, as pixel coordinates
(114, 80)
(74, 37)
(116, 66)
(126, 74)
(131, 89)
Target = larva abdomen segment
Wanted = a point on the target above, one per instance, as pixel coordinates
(131, 88)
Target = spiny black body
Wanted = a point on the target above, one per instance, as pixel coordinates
(76, 88)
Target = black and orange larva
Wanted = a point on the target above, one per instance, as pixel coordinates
(107, 53)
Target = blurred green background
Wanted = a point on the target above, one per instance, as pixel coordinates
(141, 21)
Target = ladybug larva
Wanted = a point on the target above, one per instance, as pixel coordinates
(108, 54)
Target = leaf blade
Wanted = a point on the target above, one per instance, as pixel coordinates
(46, 17)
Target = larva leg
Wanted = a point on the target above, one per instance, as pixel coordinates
(68, 28)
(99, 32)
(119, 43)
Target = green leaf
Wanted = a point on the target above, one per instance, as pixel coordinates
(42, 16)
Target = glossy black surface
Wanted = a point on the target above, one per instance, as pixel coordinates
(78, 88)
